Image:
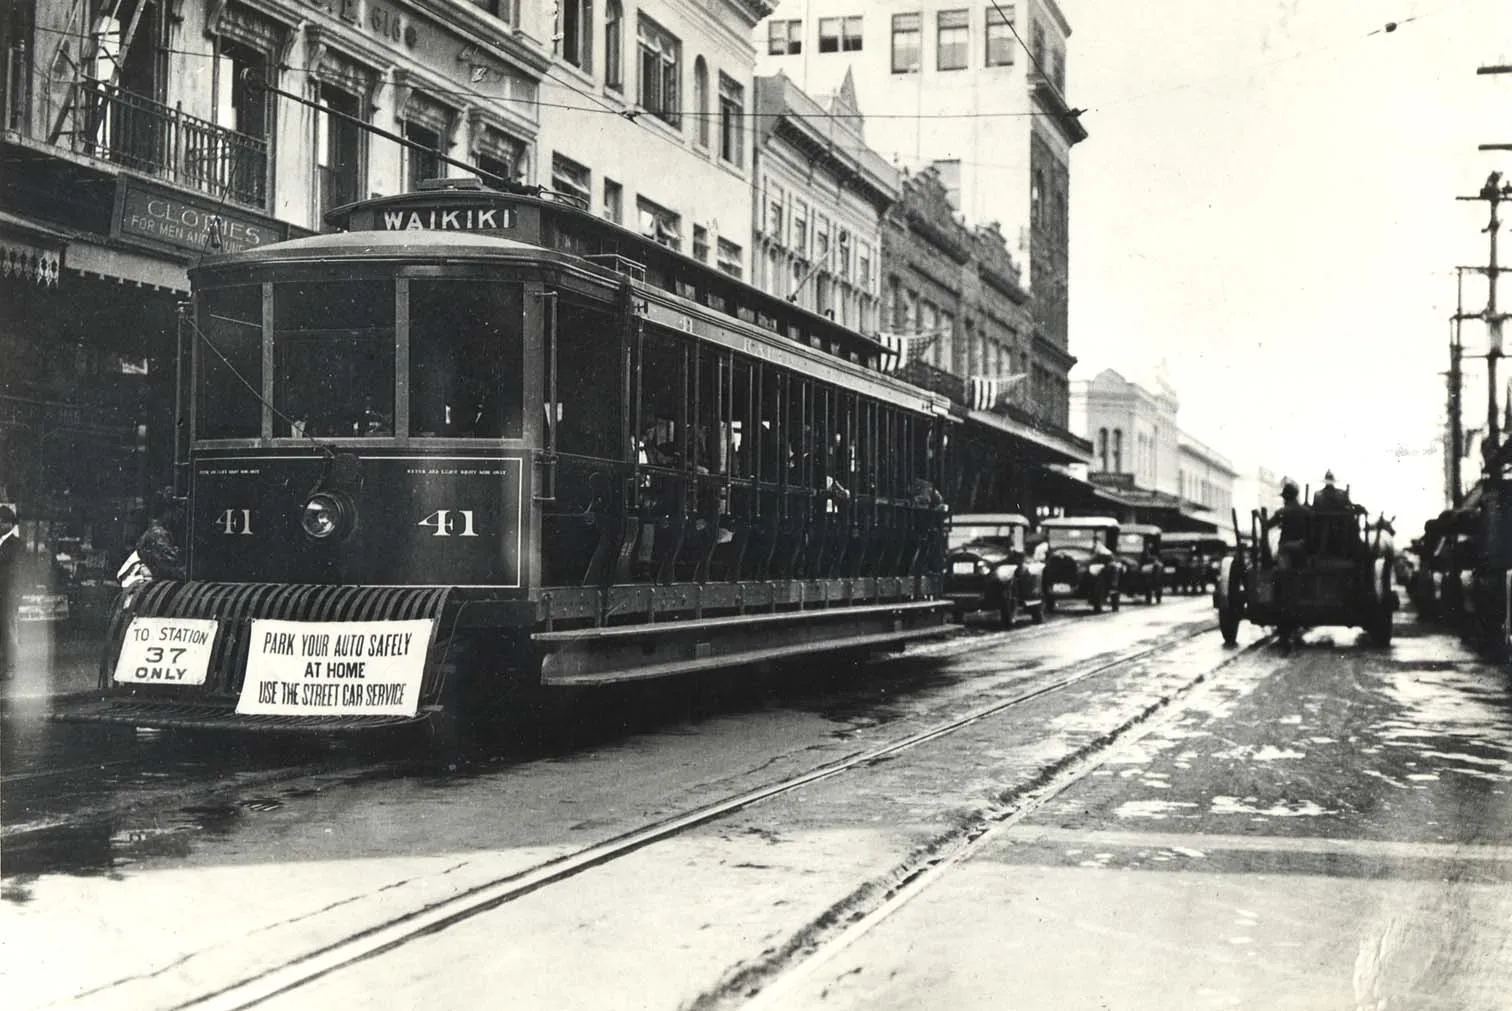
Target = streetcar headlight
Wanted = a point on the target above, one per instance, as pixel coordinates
(325, 516)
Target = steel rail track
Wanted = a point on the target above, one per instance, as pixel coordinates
(778, 980)
(400, 930)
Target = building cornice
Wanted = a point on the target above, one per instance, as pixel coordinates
(753, 9)
(1056, 109)
(797, 131)
(508, 41)
(1053, 9)
(1050, 349)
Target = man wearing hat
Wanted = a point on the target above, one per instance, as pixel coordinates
(10, 593)
(1329, 497)
(1292, 518)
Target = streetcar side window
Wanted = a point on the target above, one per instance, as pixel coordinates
(230, 356)
(744, 420)
(662, 395)
(333, 357)
(466, 359)
(588, 381)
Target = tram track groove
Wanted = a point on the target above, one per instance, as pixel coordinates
(765, 985)
(400, 930)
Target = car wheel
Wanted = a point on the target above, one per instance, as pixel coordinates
(1037, 613)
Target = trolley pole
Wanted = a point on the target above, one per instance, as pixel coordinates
(1456, 418)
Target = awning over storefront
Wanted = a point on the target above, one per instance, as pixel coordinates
(30, 253)
(1033, 444)
(90, 259)
(1077, 497)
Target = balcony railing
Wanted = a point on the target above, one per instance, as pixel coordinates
(140, 134)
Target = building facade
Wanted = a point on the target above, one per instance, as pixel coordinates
(1163, 475)
(960, 323)
(1205, 480)
(821, 198)
(646, 119)
(141, 135)
(977, 90)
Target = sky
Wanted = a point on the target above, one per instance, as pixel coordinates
(1267, 201)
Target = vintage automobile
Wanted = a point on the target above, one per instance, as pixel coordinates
(1080, 563)
(1337, 576)
(1191, 560)
(989, 568)
(1139, 555)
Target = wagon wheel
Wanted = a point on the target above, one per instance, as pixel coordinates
(1228, 598)
(1380, 619)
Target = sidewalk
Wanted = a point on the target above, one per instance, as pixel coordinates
(57, 660)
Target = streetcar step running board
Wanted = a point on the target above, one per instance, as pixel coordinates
(605, 655)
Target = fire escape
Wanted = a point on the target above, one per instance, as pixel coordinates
(99, 114)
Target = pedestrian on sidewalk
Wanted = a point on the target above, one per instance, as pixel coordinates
(10, 590)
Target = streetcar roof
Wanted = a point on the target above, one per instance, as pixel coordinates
(381, 245)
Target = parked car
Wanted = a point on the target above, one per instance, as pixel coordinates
(1191, 560)
(1080, 562)
(988, 567)
(1138, 550)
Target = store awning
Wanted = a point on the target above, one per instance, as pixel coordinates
(1057, 488)
(30, 253)
(90, 259)
(1031, 444)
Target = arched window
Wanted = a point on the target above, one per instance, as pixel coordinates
(1036, 197)
(1102, 447)
(614, 27)
(701, 100)
(1118, 451)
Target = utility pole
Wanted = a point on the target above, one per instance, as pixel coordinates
(1493, 193)
(1456, 418)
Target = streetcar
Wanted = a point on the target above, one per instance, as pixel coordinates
(476, 447)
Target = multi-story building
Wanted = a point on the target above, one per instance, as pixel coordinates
(1163, 475)
(1205, 480)
(646, 117)
(975, 89)
(955, 310)
(820, 200)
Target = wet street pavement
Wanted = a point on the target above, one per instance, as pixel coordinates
(1100, 812)
(1334, 832)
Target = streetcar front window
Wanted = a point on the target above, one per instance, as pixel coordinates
(333, 357)
(229, 333)
(467, 359)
